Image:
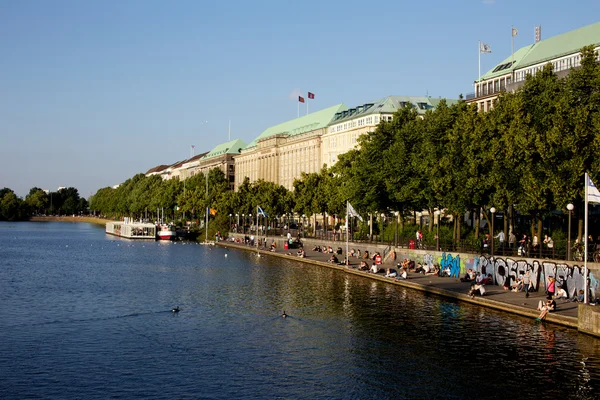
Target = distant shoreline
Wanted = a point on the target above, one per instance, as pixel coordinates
(91, 220)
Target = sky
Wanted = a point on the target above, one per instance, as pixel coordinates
(94, 92)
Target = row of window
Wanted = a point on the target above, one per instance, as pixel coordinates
(558, 65)
(354, 124)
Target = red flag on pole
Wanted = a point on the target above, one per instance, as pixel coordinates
(301, 99)
(311, 95)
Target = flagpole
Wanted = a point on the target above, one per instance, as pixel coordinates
(298, 108)
(512, 34)
(347, 235)
(256, 240)
(479, 52)
(307, 105)
(585, 269)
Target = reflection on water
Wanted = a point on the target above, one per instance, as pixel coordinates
(88, 316)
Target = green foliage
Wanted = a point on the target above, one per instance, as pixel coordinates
(529, 153)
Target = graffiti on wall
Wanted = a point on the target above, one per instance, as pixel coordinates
(505, 271)
(453, 263)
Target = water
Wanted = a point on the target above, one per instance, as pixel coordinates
(87, 316)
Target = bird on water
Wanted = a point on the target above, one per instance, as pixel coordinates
(284, 315)
(176, 309)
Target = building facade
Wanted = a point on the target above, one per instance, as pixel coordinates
(282, 152)
(562, 51)
(347, 125)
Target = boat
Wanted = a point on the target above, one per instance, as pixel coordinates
(166, 232)
(131, 230)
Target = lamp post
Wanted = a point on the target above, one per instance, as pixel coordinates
(237, 226)
(244, 224)
(396, 214)
(230, 215)
(493, 211)
(570, 208)
(419, 216)
(382, 225)
(250, 223)
(437, 236)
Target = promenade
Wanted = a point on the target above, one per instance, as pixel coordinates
(495, 297)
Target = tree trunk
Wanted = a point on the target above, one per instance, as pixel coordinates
(476, 223)
(431, 216)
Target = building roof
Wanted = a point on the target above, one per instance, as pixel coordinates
(232, 147)
(548, 49)
(157, 169)
(316, 120)
(388, 105)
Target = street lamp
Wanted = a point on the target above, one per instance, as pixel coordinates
(230, 215)
(493, 211)
(437, 236)
(396, 214)
(570, 208)
(382, 225)
(244, 223)
(237, 226)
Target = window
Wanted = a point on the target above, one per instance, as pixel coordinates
(377, 119)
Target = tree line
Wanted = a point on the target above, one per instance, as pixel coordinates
(37, 202)
(526, 158)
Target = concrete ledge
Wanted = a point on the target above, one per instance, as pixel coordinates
(567, 321)
(589, 319)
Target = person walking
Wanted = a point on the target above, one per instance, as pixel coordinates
(500, 237)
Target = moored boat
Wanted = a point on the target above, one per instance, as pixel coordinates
(131, 230)
(166, 232)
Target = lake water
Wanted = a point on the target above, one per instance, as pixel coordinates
(84, 315)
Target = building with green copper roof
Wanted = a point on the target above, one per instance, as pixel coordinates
(282, 152)
(306, 123)
(347, 125)
(562, 51)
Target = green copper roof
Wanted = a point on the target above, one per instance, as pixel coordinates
(548, 49)
(232, 147)
(306, 123)
(504, 67)
(561, 45)
(388, 105)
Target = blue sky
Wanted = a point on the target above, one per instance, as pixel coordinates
(93, 92)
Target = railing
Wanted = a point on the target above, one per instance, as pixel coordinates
(559, 252)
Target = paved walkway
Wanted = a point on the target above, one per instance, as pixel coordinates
(495, 297)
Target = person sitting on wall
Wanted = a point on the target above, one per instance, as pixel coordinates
(317, 248)
(477, 289)
(358, 253)
(487, 280)
(469, 276)
(580, 296)
(391, 273)
(352, 252)
(545, 308)
(403, 274)
(273, 246)
(374, 268)
(333, 259)
(419, 269)
(363, 266)
(301, 253)
(517, 285)
(366, 255)
(561, 293)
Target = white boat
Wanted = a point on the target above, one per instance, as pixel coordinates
(131, 230)
(166, 232)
